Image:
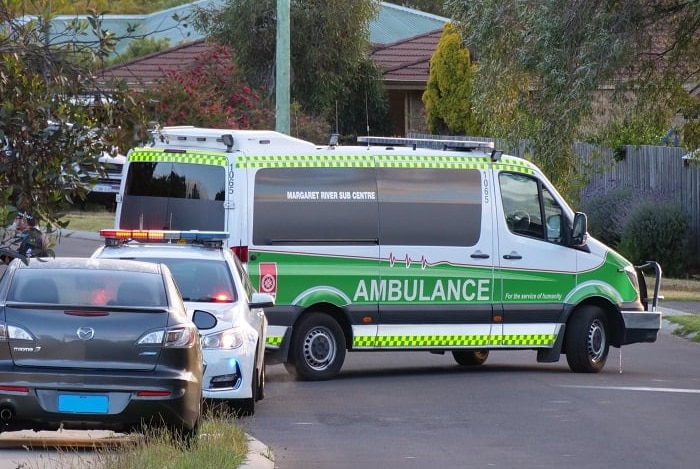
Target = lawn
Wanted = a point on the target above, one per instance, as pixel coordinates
(89, 221)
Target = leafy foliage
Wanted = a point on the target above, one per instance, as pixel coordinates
(607, 213)
(657, 231)
(55, 119)
(210, 94)
(139, 48)
(447, 97)
(567, 51)
(116, 7)
(328, 52)
(49, 121)
(435, 7)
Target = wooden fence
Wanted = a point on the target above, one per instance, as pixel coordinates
(654, 171)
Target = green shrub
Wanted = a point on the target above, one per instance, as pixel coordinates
(657, 231)
(606, 214)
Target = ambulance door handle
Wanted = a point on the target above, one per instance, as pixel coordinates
(512, 256)
(479, 255)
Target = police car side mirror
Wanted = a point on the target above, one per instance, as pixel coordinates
(579, 230)
(204, 320)
(261, 300)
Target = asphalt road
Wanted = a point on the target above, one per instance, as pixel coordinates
(417, 410)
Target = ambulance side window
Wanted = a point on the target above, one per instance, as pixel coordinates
(529, 208)
(554, 218)
(429, 207)
(307, 206)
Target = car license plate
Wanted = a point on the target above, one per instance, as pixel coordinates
(83, 404)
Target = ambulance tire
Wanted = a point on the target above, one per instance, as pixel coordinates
(470, 357)
(587, 340)
(318, 348)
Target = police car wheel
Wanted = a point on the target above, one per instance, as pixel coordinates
(246, 407)
(587, 341)
(470, 357)
(317, 348)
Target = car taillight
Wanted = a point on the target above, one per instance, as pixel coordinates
(172, 337)
(241, 252)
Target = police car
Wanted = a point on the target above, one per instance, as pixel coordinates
(212, 279)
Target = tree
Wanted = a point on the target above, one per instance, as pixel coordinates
(210, 94)
(567, 51)
(447, 97)
(54, 117)
(139, 48)
(435, 7)
(329, 49)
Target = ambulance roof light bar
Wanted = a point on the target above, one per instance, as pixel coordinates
(445, 144)
(115, 237)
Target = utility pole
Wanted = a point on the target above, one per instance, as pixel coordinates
(282, 68)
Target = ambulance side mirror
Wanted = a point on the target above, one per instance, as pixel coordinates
(579, 230)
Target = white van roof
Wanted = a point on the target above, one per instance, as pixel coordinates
(239, 140)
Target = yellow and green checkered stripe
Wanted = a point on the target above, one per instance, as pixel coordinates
(417, 341)
(159, 155)
(381, 161)
(306, 161)
(273, 341)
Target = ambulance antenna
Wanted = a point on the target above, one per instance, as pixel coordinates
(367, 111)
(336, 117)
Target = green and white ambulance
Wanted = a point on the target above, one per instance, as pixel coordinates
(389, 246)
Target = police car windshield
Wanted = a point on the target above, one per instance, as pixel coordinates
(201, 280)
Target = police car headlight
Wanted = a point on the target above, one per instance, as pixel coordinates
(228, 339)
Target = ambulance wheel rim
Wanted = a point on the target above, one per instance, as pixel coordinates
(319, 348)
(596, 341)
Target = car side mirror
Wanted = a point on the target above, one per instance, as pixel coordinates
(204, 320)
(579, 230)
(261, 300)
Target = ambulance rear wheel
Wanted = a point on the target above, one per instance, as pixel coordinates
(587, 340)
(470, 357)
(317, 349)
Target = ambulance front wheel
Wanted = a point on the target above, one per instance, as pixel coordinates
(318, 348)
(587, 340)
(470, 357)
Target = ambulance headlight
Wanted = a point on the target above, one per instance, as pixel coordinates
(632, 275)
(227, 340)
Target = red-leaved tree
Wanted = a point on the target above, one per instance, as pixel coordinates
(210, 94)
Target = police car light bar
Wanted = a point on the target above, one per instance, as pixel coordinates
(115, 236)
(446, 144)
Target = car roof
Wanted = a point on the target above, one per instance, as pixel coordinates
(163, 250)
(89, 263)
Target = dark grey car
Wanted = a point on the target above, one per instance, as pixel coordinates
(97, 344)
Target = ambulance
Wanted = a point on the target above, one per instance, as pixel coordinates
(442, 246)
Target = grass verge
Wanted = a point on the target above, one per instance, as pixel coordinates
(222, 443)
(674, 289)
(688, 326)
(89, 221)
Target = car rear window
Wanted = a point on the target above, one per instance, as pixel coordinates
(88, 287)
(202, 280)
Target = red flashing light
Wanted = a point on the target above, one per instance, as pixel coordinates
(222, 298)
(162, 235)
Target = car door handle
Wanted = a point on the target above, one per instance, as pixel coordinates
(513, 255)
(479, 255)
